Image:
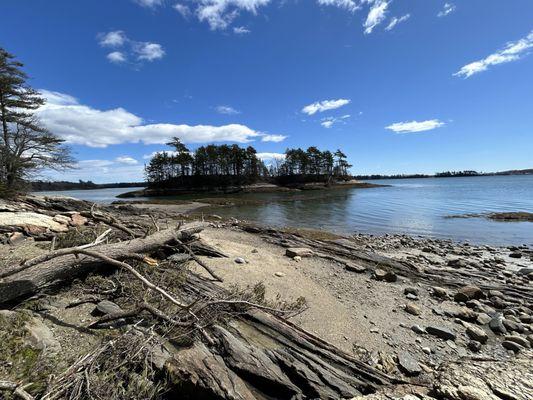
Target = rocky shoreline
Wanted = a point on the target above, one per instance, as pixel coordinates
(447, 320)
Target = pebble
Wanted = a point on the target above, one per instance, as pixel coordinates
(412, 309)
(418, 329)
(441, 332)
(240, 260)
(387, 276)
(279, 274)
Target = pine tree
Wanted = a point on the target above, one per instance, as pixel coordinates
(25, 145)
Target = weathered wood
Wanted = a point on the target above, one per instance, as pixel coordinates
(66, 268)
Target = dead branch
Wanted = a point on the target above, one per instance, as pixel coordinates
(199, 262)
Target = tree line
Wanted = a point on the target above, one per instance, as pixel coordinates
(225, 165)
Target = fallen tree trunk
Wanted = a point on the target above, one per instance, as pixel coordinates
(69, 267)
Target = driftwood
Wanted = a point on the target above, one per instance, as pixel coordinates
(51, 270)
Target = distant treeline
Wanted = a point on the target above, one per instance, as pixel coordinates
(446, 174)
(225, 165)
(44, 186)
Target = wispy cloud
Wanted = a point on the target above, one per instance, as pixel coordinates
(376, 15)
(513, 51)
(273, 138)
(127, 49)
(325, 105)
(241, 30)
(415, 126)
(126, 160)
(149, 3)
(184, 10)
(395, 21)
(219, 14)
(349, 5)
(226, 110)
(447, 10)
(328, 122)
(77, 123)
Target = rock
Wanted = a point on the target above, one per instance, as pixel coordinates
(477, 334)
(513, 346)
(298, 251)
(496, 324)
(439, 292)
(511, 325)
(106, 307)
(474, 346)
(25, 219)
(457, 263)
(240, 260)
(441, 332)
(40, 336)
(418, 329)
(62, 219)
(297, 258)
(515, 254)
(279, 274)
(355, 268)
(382, 275)
(412, 309)
(179, 258)
(483, 319)
(469, 292)
(411, 296)
(519, 340)
(16, 238)
(410, 290)
(408, 364)
(427, 350)
(78, 220)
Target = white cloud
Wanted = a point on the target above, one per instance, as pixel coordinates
(328, 122)
(184, 10)
(240, 30)
(126, 160)
(84, 125)
(376, 15)
(154, 153)
(149, 51)
(270, 156)
(273, 138)
(511, 52)
(116, 57)
(113, 39)
(219, 14)
(415, 126)
(349, 5)
(149, 3)
(448, 9)
(395, 21)
(325, 105)
(226, 110)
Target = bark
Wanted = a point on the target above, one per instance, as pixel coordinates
(66, 268)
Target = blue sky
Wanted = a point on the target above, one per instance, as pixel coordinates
(401, 86)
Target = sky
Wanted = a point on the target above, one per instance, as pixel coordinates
(400, 86)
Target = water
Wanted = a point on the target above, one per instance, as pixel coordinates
(410, 206)
(94, 195)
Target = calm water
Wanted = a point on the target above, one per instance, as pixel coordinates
(411, 206)
(95, 195)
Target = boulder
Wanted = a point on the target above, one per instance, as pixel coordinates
(496, 325)
(408, 364)
(513, 346)
(298, 251)
(439, 292)
(25, 220)
(483, 319)
(16, 238)
(469, 292)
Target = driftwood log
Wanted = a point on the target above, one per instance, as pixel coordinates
(66, 268)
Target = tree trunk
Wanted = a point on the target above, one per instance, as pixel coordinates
(66, 268)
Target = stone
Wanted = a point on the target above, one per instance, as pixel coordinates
(297, 258)
(62, 219)
(515, 254)
(496, 324)
(439, 292)
(519, 340)
(408, 364)
(469, 292)
(240, 260)
(477, 334)
(474, 346)
(410, 290)
(412, 309)
(355, 268)
(298, 251)
(418, 329)
(40, 336)
(457, 263)
(411, 296)
(24, 219)
(441, 332)
(511, 325)
(483, 319)
(78, 220)
(513, 346)
(427, 350)
(382, 275)
(279, 274)
(16, 238)
(106, 307)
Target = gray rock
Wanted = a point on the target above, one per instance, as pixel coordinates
(441, 332)
(477, 334)
(512, 346)
(412, 309)
(439, 292)
(496, 324)
(518, 340)
(298, 251)
(240, 260)
(382, 275)
(355, 268)
(483, 319)
(474, 346)
(410, 290)
(408, 364)
(418, 329)
(179, 258)
(106, 307)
